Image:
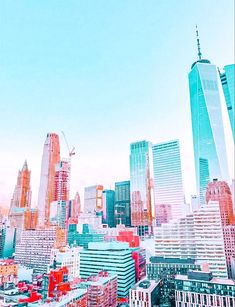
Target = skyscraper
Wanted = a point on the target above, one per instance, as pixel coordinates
(168, 183)
(227, 78)
(108, 199)
(62, 176)
(50, 157)
(140, 186)
(22, 193)
(93, 199)
(122, 203)
(207, 122)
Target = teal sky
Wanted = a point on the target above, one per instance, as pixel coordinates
(105, 72)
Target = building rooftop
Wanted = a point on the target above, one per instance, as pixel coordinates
(172, 260)
(214, 280)
(108, 245)
(145, 285)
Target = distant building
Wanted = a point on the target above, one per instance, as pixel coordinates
(201, 289)
(84, 238)
(144, 293)
(227, 77)
(113, 257)
(163, 214)
(108, 199)
(7, 241)
(50, 158)
(122, 203)
(140, 186)
(62, 180)
(93, 199)
(168, 182)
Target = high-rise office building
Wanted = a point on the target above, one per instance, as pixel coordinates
(50, 158)
(22, 193)
(198, 236)
(122, 203)
(140, 186)
(62, 176)
(93, 199)
(108, 200)
(219, 191)
(168, 183)
(207, 122)
(114, 257)
(227, 77)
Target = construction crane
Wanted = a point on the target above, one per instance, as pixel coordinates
(72, 151)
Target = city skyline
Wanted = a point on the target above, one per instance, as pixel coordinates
(112, 159)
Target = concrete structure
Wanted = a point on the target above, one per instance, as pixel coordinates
(144, 294)
(50, 158)
(68, 257)
(8, 272)
(62, 180)
(198, 236)
(163, 214)
(122, 203)
(113, 257)
(93, 199)
(202, 290)
(167, 174)
(165, 269)
(140, 186)
(34, 248)
(207, 124)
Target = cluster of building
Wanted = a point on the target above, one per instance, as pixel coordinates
(65, 254)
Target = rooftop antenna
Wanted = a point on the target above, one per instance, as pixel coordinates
(198, 45)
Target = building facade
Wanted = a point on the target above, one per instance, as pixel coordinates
(93, 199)
(140, 186)
(145, 293)
(50, 158)
(202, 290)
(207, 124)
(108, 199)
(122, 203)
(167, 174)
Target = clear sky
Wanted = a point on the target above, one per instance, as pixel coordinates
(107, 73)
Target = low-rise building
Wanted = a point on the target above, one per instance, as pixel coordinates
(145, 294)
(202, 290)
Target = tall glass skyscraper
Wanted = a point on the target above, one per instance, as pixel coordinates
(228, 83)
(207, 122)
(140, 186)
(122, 203)
(168, 183)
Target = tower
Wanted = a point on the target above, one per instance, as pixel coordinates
(167, 174)
(140, 186)
(62, 176)
(227, 77)
(22, 193)
(207, 123)
(50, 157)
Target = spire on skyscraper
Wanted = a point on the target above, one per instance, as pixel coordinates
(25, 166)
(198, 45)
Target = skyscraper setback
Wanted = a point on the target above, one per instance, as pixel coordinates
(50, 158)
(140, 186)
(207, 123)
(168, 183)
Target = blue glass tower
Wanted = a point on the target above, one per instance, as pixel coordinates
(228, 83)
(108, 207)
(122, 203)
(140, 186)
(207, 122)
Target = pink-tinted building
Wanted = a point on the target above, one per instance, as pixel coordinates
(163, 214)
(62, 177)
(50, 158)
(220, 191)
